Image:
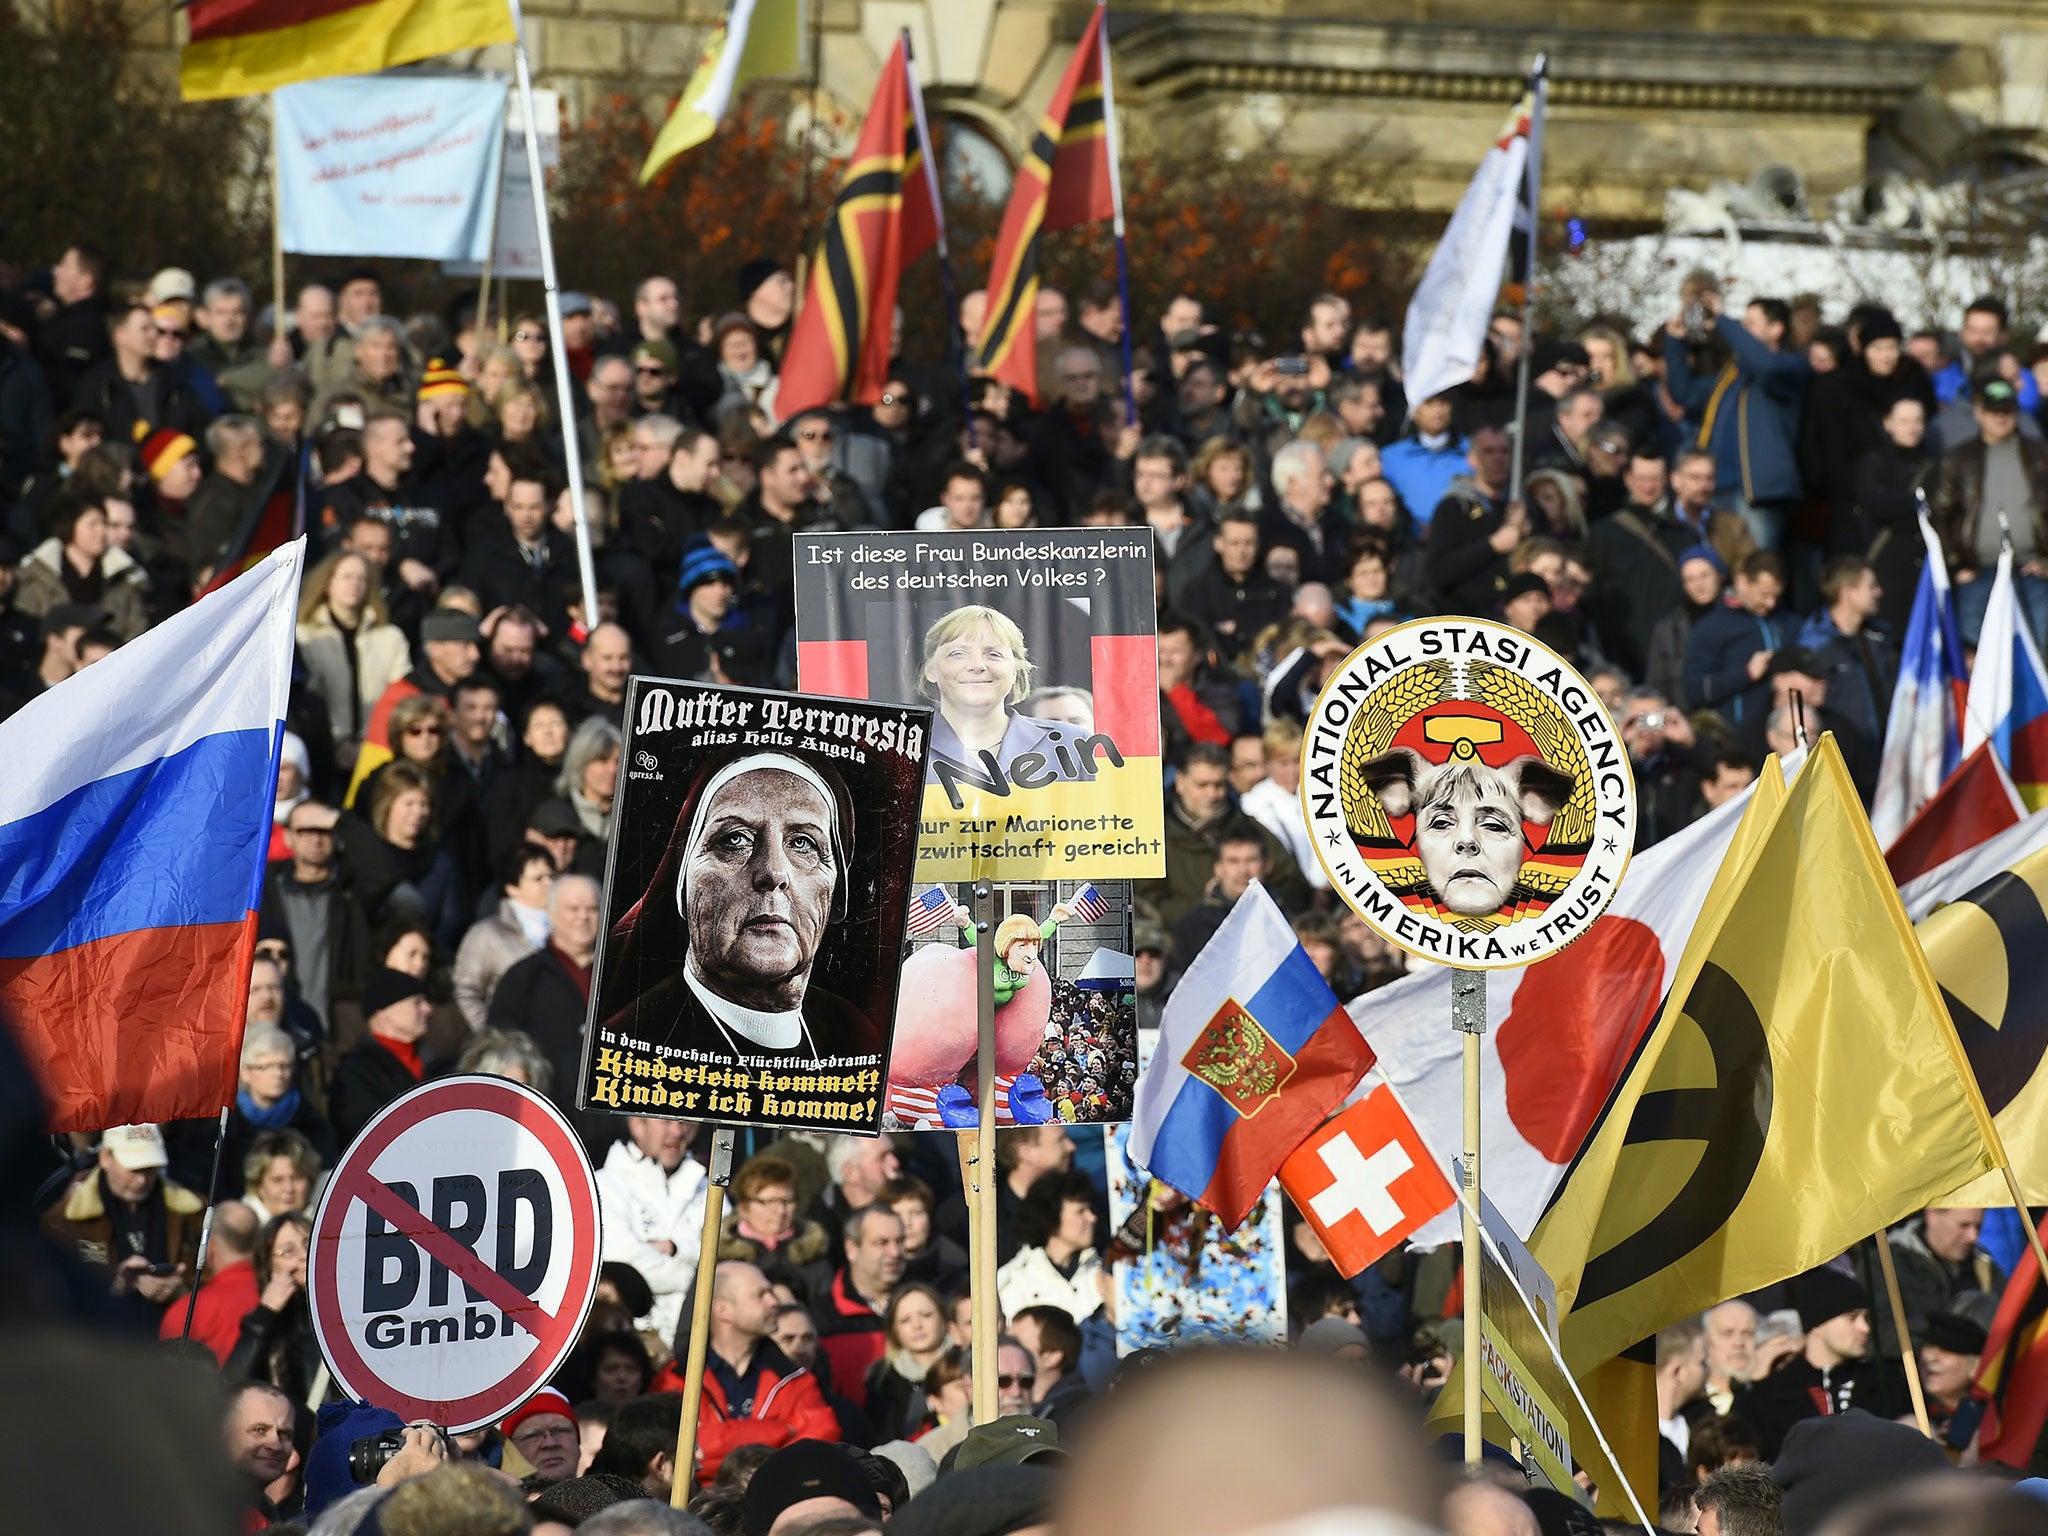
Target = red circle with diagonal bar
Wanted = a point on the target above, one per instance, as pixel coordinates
(455, 1320)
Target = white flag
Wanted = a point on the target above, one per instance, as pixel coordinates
(1453, 305)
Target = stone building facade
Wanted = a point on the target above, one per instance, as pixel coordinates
(1647, 94)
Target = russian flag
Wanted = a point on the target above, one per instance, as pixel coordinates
(135, 814)
(1254, 1053)
(1923, 740)
(2008, 700)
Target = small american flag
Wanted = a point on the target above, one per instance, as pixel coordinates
(1088, 905)
(930, 912)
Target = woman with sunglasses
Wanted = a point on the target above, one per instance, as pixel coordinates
(277, 1342)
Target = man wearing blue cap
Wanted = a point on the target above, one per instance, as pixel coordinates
(704, 627)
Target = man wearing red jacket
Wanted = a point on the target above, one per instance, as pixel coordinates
(753, 1394)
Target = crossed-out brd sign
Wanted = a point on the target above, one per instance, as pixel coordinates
(455, 1252)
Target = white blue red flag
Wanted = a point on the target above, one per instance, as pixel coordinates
(1254, 1053)
(2008, 699)
(1923, 742)
(1088, 905)
(930, 912)
(135, 814)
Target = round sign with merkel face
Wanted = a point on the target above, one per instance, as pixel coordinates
(1467, 793)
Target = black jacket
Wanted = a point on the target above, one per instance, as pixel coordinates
(1797, 1390)
(1246, 607)
(657, 520)
(69, 343)
(539, 996)
(25, 422)
(417, 532)
(1468, 574)
(348, 925)
(103, 391)
(1635, 560)
(365, 1079)
(503, 574)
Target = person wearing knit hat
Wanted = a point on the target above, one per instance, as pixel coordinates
(339, 1426)
(1831, 1375)
(704, 618)
(386, 1062)
(767, 293)
(1830, 1462)
(172, 459)
(1951, 1346)
(543, 1430)
(806, 1481)
(443, 381)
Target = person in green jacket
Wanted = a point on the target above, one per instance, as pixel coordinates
(1018, 941)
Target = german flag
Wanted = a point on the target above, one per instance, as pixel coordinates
(245, 47)
(1065, 180)
(2012, 1376)
(273, 519)
(882, 221)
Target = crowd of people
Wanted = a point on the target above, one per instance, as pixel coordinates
(1714, 521)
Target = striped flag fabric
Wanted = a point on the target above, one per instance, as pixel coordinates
(245, 47)
(1976, 804)
(2008, 700)
(1065, 179)
(1923, 739)
(2012, 1373)
(930, 912)
(1088, 905)
(134, 822)
(882, 221)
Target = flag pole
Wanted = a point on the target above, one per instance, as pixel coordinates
(982, 1232)
(1539, 88)
(1468, 1016)
(277, 325)
(1898, 1308)
(483, 290)
(956, 338)
(565, 401)
(220, 1140)
(685, 1481)
(1468, 1204)
(1116, 207)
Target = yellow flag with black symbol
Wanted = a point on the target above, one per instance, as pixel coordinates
(1621, 1389)
(1803, 1089)
(1989, 952)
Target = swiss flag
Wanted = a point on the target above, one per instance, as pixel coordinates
(1365, 1181)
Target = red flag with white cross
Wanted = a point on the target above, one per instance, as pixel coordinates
(1365, 1181)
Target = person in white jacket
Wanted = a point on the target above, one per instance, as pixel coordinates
(1056, 1266)
(650, 1194)
(1275, 801)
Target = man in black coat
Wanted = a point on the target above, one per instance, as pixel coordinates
(1475, 528)
(547, 996)
(75, 338)
(1834, 1372)
(516, 559)
(659, 516)
(1234, 598)
(386, 1063)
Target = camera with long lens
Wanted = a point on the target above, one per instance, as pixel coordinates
(369, 1455)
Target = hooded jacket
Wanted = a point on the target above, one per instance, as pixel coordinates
(124, 592)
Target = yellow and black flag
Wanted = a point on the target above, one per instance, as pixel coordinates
(1989, 950)
(882, 221)
(1068, 178)
(1803, 1089)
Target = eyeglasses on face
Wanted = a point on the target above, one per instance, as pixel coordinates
(423, 730)
(817, 435)
(1016, 1381)
(529, 335)
(310, 831)
(892, 398)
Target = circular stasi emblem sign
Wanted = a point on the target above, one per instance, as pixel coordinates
(455, 1252)
(1467, 793)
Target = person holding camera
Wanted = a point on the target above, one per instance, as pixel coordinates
(1663, 754)
(123, 1216)
(1747, 415)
